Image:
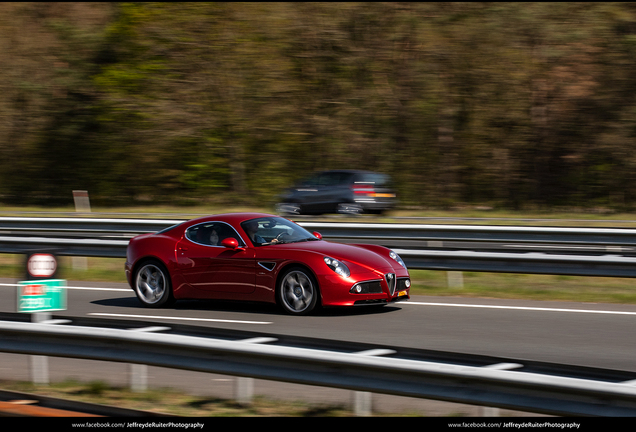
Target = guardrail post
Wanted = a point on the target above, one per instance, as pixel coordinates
(489, 411)
(362, 403)
(455, 279)
(138, 377)
(244, 390)
(40, 364)
(82, 205)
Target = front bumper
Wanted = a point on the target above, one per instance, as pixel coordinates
(128, 270)
(379, 302)
(336, 291)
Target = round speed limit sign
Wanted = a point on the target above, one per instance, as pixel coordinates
(40, 265)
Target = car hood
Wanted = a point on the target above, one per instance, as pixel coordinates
(343, 252)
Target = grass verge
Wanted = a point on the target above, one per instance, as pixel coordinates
(172, 402)
(527, 286)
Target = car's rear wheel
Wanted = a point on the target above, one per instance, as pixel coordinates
(288, 208)
(298, 291)
(349, 209)
(152, 284)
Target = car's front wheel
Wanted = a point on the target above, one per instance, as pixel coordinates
(152, 284)
(298, 291)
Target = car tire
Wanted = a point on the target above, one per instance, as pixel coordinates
(349, 209)
(297, 292)
(288, 208)
(152, 284)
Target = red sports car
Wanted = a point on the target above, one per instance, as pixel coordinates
(261, 257)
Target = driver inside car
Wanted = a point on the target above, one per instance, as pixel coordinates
(252, 230)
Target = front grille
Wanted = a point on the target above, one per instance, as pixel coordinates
(401, 284)
(372, 287)
(390, 280)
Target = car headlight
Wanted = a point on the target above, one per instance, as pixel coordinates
(397, 258)
(337, 266)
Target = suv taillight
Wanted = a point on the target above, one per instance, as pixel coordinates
(362, 189)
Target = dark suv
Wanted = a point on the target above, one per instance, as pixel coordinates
(339, 191)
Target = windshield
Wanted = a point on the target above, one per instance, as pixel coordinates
(275, 230)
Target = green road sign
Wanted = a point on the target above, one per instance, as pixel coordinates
(42, 295)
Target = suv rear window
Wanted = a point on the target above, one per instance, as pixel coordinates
(376, 179)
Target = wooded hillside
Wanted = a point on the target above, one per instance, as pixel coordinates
(502, 104)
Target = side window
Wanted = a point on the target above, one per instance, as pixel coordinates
(263, 231)
(311, 181)
(335, 179)
(212, 233)
(376, 179)
(329, 179)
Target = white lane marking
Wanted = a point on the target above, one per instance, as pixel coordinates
(150, 329)
(259, 340)
(55, 321)
(376, 352)
(101, 289)
(503, 366)
(180, 318)
(522, 308)
(82, 288)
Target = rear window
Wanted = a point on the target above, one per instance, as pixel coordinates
(165, 230)
(375, 179)
(212, 233)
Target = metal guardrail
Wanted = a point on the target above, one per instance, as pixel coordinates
(497, 385)
(478, 233)
(511, 249)
(97, 237)
(528, 263)
(390, 233)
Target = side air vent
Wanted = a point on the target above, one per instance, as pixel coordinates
(267, 265)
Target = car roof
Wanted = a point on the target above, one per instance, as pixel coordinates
(231, 218)
(350, 171)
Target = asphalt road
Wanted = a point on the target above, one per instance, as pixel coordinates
(584, 334)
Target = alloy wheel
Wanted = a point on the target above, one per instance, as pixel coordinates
(298, 293)
(151, 284)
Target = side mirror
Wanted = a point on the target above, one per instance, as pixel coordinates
(317, 235)
(231, 243)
